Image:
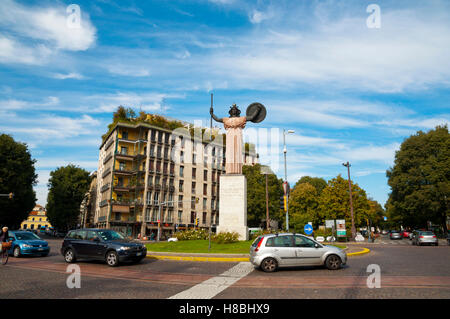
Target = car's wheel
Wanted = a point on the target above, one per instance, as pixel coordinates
(112, 259)
(69, 256)
(333, 262)
(269, 265)
(16, 252)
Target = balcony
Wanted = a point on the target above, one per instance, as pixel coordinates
(103, 203)
(123, 171)
(105, 187)
(108, 145)
(107, 158)
(105, 173)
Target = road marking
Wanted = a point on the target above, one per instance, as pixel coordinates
(213, 286)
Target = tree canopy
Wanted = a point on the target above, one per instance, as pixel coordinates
(318, 183)
(17, 175)
(256, 195)
(67, 187)
(420, 179)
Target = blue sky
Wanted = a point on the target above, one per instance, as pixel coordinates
(351, 93)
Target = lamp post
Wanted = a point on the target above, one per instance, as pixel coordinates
(265, 170)
(351, 200)
(285, 175)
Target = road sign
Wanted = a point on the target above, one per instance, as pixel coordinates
(308, 229)
(340, 228)
(329, 223)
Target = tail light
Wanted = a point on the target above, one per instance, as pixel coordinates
(434, 236)
(421, 237)
(259, 244)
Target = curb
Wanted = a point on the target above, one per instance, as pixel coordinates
(228, 259)
(363, 252)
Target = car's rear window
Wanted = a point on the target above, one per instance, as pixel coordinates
(427, 233)
(255, 243)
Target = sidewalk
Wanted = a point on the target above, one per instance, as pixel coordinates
(351, 251)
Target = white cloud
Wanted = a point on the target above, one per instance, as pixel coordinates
(72, 75)
(45, 26)
(127, 70)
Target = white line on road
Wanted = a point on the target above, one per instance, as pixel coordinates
(213, 286)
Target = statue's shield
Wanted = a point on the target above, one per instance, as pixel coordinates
(260, 111)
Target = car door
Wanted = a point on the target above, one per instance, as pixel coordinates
(306, 252)
(283, 248)
(93, 247)
(78, 243)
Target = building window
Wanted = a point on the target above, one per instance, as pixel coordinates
(204, 203)
(193, 202)
(121, 166)
(24, 226)
(117, 217)
(180, 214)
(180, 186)
(192, 217)
(193, 187)
(194, 158)
(181, 171)
(205, 175)
(204, 218)
(125, 135)
(194, 172)
(180, 201)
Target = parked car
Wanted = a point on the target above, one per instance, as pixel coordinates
(27, 243)
(384, 232)
(395, 234)
(272, 251)
(101, 244)
(425, 238)
(405, 233)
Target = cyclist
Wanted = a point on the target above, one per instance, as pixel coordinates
(3, 237)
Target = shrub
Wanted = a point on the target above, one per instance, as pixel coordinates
(192, 234)
(225, 238)
(261, 232)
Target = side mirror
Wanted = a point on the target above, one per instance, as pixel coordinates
(316, 245)
(11, 238)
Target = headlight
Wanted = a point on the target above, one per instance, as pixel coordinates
(124, 248)
(27, 246)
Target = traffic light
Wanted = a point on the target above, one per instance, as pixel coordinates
(196, 221)
(197, 200)
(283, 203)
(11, 195)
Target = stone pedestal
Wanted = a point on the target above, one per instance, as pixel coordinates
(233, 205)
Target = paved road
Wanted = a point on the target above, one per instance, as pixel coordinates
(406, 272)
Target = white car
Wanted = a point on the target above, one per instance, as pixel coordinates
(172, 239)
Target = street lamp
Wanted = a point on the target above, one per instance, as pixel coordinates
(285, 175)
(351, 200)
(265, 170)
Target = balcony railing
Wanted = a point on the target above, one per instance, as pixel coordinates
(105, 173)
(105, 187)
(107, 158)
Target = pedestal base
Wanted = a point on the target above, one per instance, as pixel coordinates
(233, 205)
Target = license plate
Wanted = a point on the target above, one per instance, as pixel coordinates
(41, 249)
(138, 254)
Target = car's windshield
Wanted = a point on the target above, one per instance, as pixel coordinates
(110, 235)
(26, 236)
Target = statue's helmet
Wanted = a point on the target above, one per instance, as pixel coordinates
(234, 111)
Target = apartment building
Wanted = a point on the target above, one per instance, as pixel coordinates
(148, 174)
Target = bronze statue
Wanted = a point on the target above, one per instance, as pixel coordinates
(256, 112)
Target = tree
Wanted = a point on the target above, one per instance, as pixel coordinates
(256, 195)
(67, 187)
(17, 175)
(420, 179)
(303, 206)
(318, 182)
(334, 202)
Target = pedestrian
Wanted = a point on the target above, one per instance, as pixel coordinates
(3, 237)
(152, 236)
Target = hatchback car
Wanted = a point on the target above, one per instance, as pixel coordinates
(269, 252)
(101, 244)
(395, 234)
(425, 238)
(27, 243)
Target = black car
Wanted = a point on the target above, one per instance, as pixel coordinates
(101, 244)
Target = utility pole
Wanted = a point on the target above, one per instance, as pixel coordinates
(285, 175)
(351, 200)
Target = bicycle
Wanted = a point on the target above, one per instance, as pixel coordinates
(4, 254)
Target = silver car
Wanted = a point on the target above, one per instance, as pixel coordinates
(286, 250)
(424, 238)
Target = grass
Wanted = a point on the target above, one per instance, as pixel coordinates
(201, 246)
